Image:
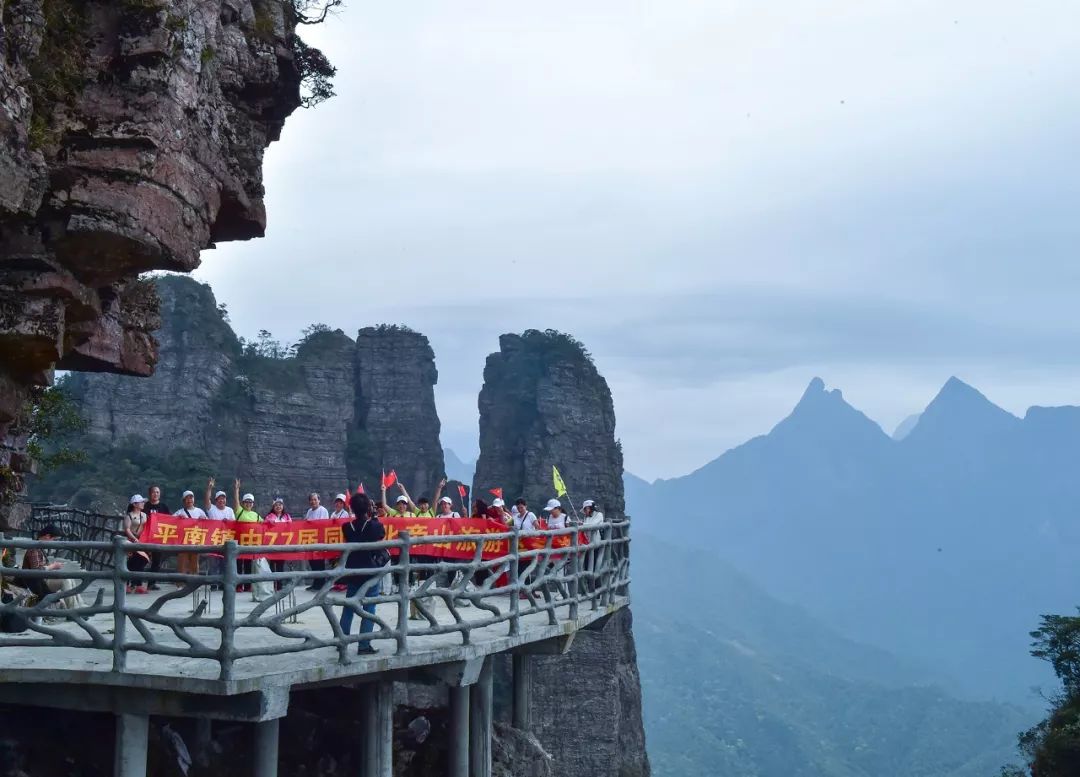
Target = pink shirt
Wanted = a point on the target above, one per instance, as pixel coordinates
(272, 517)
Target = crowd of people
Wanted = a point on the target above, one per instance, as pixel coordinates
(363, 525)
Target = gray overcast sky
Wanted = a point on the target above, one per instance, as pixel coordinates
(721, 199)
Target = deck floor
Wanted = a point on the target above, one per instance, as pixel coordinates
(73, 664)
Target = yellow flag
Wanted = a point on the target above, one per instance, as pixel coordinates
(560, 487)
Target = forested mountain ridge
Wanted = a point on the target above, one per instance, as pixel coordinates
(736, 683)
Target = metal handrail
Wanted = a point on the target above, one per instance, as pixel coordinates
(553, 582)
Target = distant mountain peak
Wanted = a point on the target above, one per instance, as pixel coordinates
(825, 411)
(816, 392)
(959, 410)
(956, 393)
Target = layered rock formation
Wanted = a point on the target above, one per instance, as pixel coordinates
(132, 138)
(330, 416)
(544, 403)
(397, 426)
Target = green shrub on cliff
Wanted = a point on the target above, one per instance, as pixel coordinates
(1052, 747)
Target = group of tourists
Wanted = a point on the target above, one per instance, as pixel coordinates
(363, 524)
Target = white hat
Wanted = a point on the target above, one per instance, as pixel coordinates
(552, 504)
(401, 499)
(186, 494)
(248, 498)
(341, 497)
(498, 502)
(136, 498)
(446, 499)
(588, 503)
(220, 493)
(279, 500)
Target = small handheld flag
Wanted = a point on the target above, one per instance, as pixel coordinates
(497, 492)
(560, 486)
(360, 488)
(461, 490)
(389, 480)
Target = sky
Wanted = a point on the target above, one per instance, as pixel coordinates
(721, 199)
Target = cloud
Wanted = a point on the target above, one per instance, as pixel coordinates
(721, 199)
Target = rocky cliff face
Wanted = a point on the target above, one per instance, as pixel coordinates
(131, 138)
(544, 403)
(397, 426)
(321, 420)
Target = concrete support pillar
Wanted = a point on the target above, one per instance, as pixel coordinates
(377, 728)
(129, 758)
(266, 748)
(204, 739)
(459, 731)
(480, 723)
(520, 718)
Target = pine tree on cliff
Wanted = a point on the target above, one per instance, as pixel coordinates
(1052, 747)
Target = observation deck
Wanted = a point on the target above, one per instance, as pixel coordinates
(202, 647)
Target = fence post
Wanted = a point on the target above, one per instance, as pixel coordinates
(119, 604)
(575, 571)
(515, 593)
(403, 593)
(228, 611)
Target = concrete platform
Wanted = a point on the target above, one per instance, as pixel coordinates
(68, 665)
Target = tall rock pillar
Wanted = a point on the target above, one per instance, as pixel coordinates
(544, 403)
(396, 426)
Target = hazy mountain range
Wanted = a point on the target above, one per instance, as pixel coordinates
(942, 546)
(737, 684)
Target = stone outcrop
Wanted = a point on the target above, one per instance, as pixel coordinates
(131, 137)
(197, 353)
(397, 426)
(544, 403)
(328, 417)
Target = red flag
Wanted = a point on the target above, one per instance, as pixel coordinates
(461, 490)
(389, 480)
(497, 492)
(360, 488)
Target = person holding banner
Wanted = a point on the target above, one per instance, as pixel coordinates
(341, 510)
(277, 514)
(523, 519)
(504, 516)
(245, 513)
(401, 508)
(446, 508)
(423, 508)
(316, 512)
(155, 505)
(217, 509)
(188, 563)
(364, 527)
(556, 517)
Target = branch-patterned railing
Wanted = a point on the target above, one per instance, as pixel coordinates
(545, 585)
(72, 522)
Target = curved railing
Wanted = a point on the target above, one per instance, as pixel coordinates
(522, 588)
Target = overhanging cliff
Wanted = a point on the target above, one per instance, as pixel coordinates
(131, 138)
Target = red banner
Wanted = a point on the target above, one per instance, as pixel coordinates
(171, 530)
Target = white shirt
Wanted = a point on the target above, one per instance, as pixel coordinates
(450, 514)
(338, 514)
(556, 521)
(524, 523)
(316, 514)
(194, 512)
(596, 518)
(220, 513)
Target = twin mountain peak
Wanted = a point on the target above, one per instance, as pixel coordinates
(958, 410)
